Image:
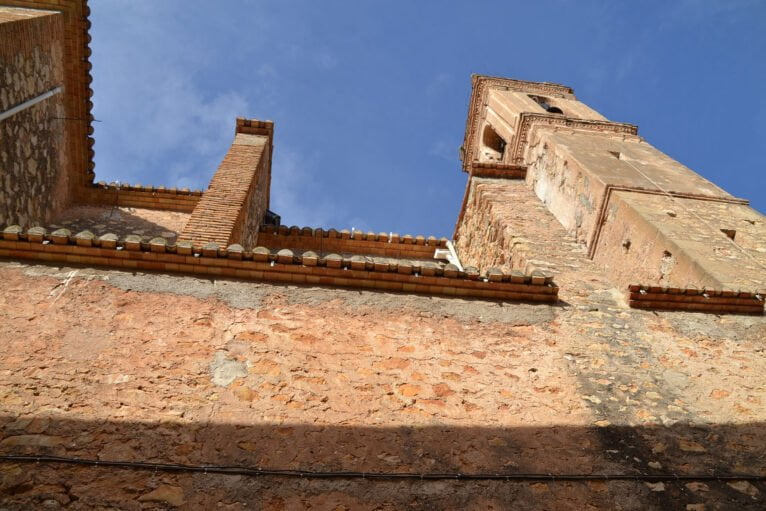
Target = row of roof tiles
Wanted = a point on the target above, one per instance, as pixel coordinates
(385, 237)
(696, 299)
(147, 188)
(281, 256)
(640, 296)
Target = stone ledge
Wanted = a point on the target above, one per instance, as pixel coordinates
(382, 237)
(498, 170)
(154, 190)
(717, 301)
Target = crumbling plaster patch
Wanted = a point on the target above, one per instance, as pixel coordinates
(224, 370)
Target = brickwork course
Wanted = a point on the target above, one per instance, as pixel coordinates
(592, 338)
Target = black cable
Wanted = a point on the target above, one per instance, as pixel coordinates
(315, 474)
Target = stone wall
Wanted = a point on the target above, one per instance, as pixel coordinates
(33, 158)
(74, 52)
(678, 242)
(505, 226)
(149, 368)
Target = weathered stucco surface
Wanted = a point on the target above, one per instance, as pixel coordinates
(113, 365)
(691, 234)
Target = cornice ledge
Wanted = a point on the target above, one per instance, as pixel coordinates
(528, 120)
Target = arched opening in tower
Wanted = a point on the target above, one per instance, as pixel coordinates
(493, 145)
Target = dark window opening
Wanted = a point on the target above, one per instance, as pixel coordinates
(545, 104)
(493, 145)
(730, 233)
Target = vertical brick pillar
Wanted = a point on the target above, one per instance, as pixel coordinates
(232, 208)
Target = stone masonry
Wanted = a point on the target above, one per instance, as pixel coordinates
(592, 339)
(31, 141)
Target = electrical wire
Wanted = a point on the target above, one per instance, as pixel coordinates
(318, 474)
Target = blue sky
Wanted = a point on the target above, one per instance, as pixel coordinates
(370, 97)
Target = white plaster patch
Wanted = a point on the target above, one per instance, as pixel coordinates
(224, 371)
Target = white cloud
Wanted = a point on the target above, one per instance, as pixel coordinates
(153, 109)
(169, 120)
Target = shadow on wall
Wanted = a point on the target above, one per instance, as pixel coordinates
(122, 221)
(685, 450)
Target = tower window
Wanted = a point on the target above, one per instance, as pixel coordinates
(546, 105)
(493, 145)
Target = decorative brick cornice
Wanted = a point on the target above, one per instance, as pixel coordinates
(498, 170)
(263, 264)
(88, 93)
(256, 127)
(528, 120)
(480, 87)
(694, 299)
(102, 185)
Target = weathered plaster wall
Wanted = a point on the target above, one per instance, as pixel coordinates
(570, 170)
(140, 367)
(572, 193)
(678, 242)
(509, 104)
(666, 231)
(33, 180)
